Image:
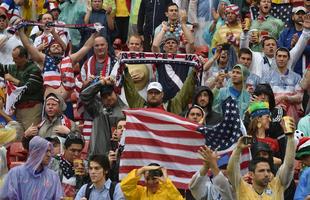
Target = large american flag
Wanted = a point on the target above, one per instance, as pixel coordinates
(154, 135)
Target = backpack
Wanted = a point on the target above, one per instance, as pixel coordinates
(89, 187)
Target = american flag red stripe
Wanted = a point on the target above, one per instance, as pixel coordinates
(87, 129)
(156, 141)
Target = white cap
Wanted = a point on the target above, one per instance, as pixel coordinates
(299, 8)
(155, 85)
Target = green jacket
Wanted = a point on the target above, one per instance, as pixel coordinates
(30, 76)
(175, 105)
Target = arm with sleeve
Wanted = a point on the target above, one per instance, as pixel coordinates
(298, 49)
(88, 97)
(233, 170)
(133, 97)
(130, 187)
(286, 171)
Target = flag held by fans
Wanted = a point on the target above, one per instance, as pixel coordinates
(154, 135)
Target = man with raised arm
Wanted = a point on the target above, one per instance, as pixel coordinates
(57, 71)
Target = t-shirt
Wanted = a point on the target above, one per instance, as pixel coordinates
(272, 143)
(274, 191)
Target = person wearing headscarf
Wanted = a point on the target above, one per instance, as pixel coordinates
(260, 122)
(54, 121)
(229, 32)
(33, 180)
(263, 92)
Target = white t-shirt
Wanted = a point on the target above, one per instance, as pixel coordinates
(7, 49)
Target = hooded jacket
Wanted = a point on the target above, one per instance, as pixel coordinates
(46, 127)
(242, 98)
(211, 117)
(25, 182)
(102, 118)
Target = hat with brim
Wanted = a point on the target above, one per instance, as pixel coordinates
(298, 9)
(303, 148)
(155, 86)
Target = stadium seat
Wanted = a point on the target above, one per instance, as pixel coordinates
(17, 152)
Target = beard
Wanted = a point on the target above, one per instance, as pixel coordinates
(264, 182)
(153, 104)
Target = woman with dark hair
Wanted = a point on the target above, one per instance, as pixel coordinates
(263, 92)
(260, 122)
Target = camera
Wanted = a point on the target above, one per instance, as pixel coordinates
(155, 173)
(247, 140)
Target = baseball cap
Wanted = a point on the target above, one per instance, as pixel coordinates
(155, 86)
(299, 8)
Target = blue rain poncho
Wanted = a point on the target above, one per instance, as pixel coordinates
(25, 182)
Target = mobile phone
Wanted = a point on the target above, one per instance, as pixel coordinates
(114, 145)
(247, 140)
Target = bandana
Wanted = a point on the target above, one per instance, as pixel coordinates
(232, 8)
(66, 168)
(258, 109)
(52, 98)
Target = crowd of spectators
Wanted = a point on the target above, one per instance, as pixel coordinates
(63, 88)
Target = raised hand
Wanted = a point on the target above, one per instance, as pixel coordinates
(183, 16)
(164, 26)
(306, 23)
(294, 40)
(143, 169)
(89, 6)
(215, 15)
(209, 157)
(61, 129)
(241, 144)
(31, 131)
